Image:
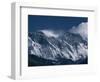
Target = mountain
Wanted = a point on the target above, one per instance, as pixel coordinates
(46, 47)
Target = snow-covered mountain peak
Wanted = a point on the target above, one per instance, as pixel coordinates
(69, 46)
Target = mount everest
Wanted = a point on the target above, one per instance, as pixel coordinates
(47, 47)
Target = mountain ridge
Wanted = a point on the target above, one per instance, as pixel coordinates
(68, 46)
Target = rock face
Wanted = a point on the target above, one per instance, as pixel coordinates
(65, 49)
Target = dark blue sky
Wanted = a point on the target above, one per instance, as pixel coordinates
(37, 22)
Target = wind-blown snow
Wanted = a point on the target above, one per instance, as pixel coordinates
(50, 33)
(81, 29)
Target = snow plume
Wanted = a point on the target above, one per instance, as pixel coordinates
(50, 33)
(82, 29)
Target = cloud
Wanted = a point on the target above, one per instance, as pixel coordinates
(50, 33)
(81, 29)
